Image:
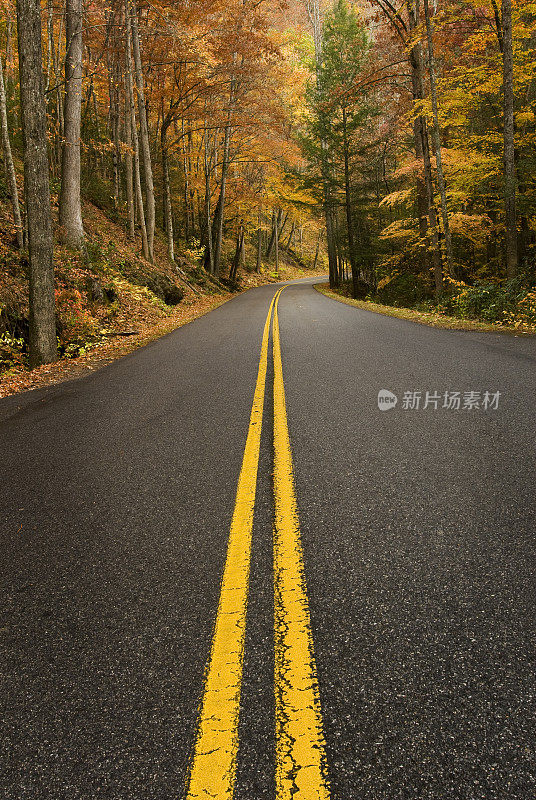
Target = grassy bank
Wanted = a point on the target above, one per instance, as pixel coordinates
(432, 318)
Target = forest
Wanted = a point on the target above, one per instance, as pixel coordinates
(156, 148)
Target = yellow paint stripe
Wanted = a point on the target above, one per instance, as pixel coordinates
(300, 746)
(213, 767)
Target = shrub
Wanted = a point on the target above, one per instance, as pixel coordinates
(491, 302)
(75, 323)
(12, 351)
(402, 289)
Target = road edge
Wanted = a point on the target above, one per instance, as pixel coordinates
(421, 317)
(69, 370)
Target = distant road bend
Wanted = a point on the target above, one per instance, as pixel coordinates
(226, 573)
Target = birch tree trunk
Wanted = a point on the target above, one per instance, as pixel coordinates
(436, 136)
(70, 208)
(510, 180)
(8, 160)
(43, 344)
(144, 131)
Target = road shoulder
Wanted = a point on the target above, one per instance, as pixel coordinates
(18, 381)
(422, 317)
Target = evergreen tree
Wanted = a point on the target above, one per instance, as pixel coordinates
(340, 112)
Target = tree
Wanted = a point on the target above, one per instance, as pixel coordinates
(341, 111)
(144, 130)
(405, 28)
(43, 344)
(344, 51)
(510, 178)
(315, 19)
(436, 137)
(8, 160)
(70, 207)
(132, 139)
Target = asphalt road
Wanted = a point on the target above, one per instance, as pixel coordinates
(417, 528)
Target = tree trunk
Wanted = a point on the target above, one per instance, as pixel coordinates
(195, 204)
(272, 234)
(330, 239)
(144, 131)
(315, 18)
(271, 240)
(290, 240)
(168, 209)
(329, 214)
(70, 208)
(510, 179)
(422, 147)
(114, 77)
(188, 225)
(58, 93)
(259, 241)
(10, 61)
(8, 160)
(422, 200)
(238, 253)
(276, 248)
(348, 206)
(43, 344)
(220, 206)
(207, 162)
(129, 167)
(317, 253)
(498, 24)
(432, 213)
(50, 43)
(135, 142)
(437, 141)
(276, 227)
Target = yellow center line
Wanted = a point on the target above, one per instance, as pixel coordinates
(213, 767)
(300, 747)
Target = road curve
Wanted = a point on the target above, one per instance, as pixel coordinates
(411, 541)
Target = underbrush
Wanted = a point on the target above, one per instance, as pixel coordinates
(103, 290)
(510, 303)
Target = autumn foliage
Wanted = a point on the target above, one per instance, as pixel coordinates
(393, 143)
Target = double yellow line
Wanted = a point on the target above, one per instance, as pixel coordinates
(300, 749)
